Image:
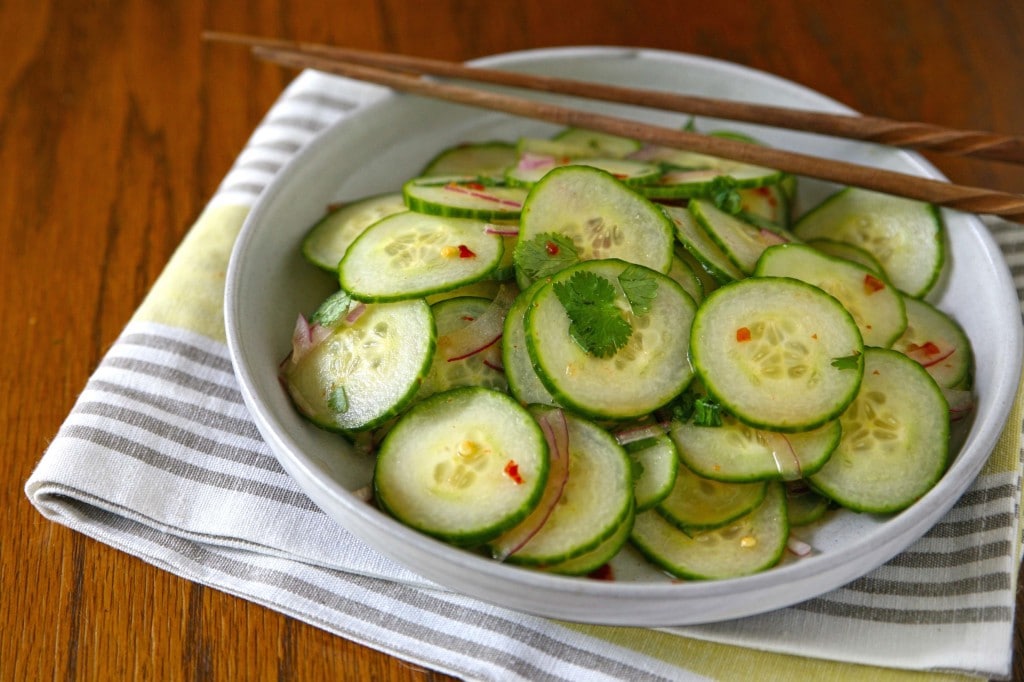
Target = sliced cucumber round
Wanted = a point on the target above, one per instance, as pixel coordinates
(831, 247)
(689, 183)
(740, 453)
(599, 144)
(482, 368)
(937, 343)
(643, 374)
(895, 442)
(768, 202)
(462, 466)
(905, 236)
(522, 378)
(684, 274)
(750, 544)
(530, 169)
(699, 503)
(364, 372)
(655, 468)
(805, 506)
(875, 305)
(464, 197)
(327, 241)
(410, 254)
(602, 217)
(778, 353)
(699, 245)
(742, 242)
(596, 500)
(487, 159)
(600, 555)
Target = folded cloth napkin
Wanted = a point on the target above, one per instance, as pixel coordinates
(159, 458)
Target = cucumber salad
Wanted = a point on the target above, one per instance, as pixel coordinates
(558, 347)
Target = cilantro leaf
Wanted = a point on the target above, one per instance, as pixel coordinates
(595, 323)
(640, 288)
(332, 310)
(724, 195)
(545, 254)
(707, 412)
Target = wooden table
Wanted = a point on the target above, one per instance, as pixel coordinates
(116, 125)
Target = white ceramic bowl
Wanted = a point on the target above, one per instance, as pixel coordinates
(268, 284)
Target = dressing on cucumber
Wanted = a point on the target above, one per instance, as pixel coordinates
(549, 364)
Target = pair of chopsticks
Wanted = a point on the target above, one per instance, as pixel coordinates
(404, 73)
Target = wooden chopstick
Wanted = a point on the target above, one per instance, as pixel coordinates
(915, 135)
(968, 199)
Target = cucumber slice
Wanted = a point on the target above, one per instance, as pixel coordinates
(805, 506)
(464, 197)
(602, 217)
(532, 167)
(779, 354)
(937, 343)
(411, 254)
(875, 305)
(690, 183)
(768, 202)
(600, 555)
(701, 247)
(739, 453)
(599, 144)
(485, 288)
(698, 503)
(522, 378)
(596, 500)
(462, 466)
(362, 373)
(750, 544)
(655, 467)
(326, 242)
(707, 282)
(905, 236)
(742, 242)
(642, 375)
(683, 273)
(895, 442)
(830, 247)
(479, 369)
(488, 159)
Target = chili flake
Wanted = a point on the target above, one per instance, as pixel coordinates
(873, 284)
(512, 471)
(742, 334)
(465, 252)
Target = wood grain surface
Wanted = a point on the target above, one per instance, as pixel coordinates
(116, 125)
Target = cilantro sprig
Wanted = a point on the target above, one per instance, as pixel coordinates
(640, 288)
(595, 322)
(724, 193)
(545, 254)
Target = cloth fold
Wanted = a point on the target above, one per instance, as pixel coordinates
(159, 459)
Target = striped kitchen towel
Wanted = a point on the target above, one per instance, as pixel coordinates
(159, 458)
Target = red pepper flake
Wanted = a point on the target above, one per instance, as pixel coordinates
(873, 284)
(928, 348)
(742, 334)
(475, 185)
(465, 252)
(551, 248)
(512, 471)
